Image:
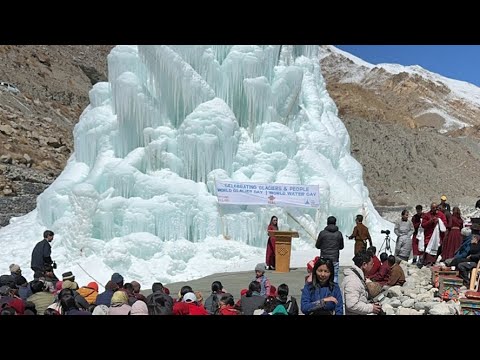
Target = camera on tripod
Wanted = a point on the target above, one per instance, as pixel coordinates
(385, 232)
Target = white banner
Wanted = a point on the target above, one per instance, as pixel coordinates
(229, 192)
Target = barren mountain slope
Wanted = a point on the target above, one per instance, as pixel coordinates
(36, 124)
(407, 130)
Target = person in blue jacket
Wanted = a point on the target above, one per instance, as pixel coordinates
(322, 296)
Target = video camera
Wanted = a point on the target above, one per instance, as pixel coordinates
(385, 232)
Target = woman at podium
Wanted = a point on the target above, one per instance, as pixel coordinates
(270, 258)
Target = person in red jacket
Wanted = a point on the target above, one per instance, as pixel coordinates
(227, 305)
(193, 307)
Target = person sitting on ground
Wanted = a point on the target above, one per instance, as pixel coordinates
(119, 304)
(262, 279)
(383, 272)
(354, 288)
(128, 288)
(397, 276)
(465, 265)
(136, 291)
(227, 305)
(322, 296)
(105, 298)
(70, 307)
(252, 300)
(40, 296)
(212, 302)
(24, 290)
(159, 302)
(81, 301)
(180, 307)
(289, 302)
(15, 270)
(194, 308)
(118, 279)
(89, 292)
(376, 261)
(139, 308)
(464, 248)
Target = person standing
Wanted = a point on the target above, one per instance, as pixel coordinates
(453, 239)
(404, 231)
(330, 242)
(270, 257)
(361, 235)
(443, 201)
(416, 221)
(41, 255)
(429, 223)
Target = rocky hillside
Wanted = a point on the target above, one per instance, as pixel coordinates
(415, 132)
(36, 124)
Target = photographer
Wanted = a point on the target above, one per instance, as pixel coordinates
(41, 256)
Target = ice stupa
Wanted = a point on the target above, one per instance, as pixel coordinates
(137, 195)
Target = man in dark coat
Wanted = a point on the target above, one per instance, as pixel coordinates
(330, 242)
(41, 255)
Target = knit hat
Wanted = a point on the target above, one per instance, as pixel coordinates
(68, 276)
(93, 285)
(117, 278)
(260, 267)
(67, 284)
(243, 292)
(189, 297)
(14, 268)
(139, 308)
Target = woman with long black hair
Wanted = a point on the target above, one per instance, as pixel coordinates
(270, 258)
(322, 296)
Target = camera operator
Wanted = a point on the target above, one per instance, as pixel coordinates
(41, 256)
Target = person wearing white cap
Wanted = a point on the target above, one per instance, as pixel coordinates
(443, 202)
(193, 307)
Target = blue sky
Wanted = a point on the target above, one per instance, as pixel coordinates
(460, 62)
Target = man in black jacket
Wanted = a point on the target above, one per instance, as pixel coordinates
(41, 255)
(330, 242)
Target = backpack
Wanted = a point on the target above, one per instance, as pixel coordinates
(158, 303)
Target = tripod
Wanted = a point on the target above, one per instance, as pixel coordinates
(386, 245)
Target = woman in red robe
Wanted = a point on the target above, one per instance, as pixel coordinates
(454, 239)
(270, 258)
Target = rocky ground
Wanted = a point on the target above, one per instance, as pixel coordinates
(418, 296)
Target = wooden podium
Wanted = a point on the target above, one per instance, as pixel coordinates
(283, 249)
